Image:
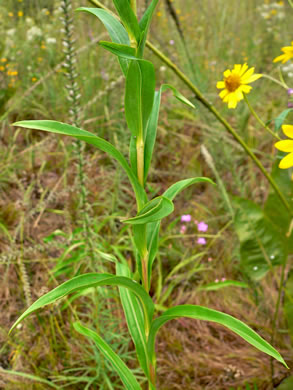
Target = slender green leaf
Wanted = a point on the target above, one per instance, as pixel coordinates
(115, 29)
(155, 210)
(206, 314)
(262, 246)
(179, 186)
(86, 136)
(134, 318)
(29, 376)
(147, 16)
(133, 154)
(151, 133)
(280, 119)
(177, 95)
(139, 96)
(122, 370)
(220, 285)
(91, 280)
(128, 18)
(119, 50)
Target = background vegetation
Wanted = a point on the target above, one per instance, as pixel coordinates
(43, 212)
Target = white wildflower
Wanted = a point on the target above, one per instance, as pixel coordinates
(33, 32)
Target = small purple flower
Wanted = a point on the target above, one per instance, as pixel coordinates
(202, 226)
(290, 105)
(223, 279)
(201, 241)
(216, 280)
(171, 42)
(183, 229)
(186, 218)
(290, 91)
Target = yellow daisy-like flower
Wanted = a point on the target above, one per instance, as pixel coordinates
(235, 84)
(286, 146)
(288, 54)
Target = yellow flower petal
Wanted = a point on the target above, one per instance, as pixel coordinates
(247, 74)
(285, 146)
(223, 93)
(237, 68)
(252, 78)
(288, 130)
(232, 102)
(244, 69)
(280, 58)
(287, 162)
(227, 73)
(220, 84)
(246, 88)
(239, 94)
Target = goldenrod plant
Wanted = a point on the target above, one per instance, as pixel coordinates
(142, 105)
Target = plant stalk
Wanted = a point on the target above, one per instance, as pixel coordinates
(260, 121)
(140, 160)
(213, 110)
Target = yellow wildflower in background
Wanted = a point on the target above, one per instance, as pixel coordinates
(235, 84)
(288, 54)
(286, 146)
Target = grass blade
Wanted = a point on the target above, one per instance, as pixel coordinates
(123, 371)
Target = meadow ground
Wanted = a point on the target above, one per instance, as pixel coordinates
(41, 218)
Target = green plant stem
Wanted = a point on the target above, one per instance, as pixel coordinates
(281, 83)
(140, 159)
(260, 121)
(213, 110)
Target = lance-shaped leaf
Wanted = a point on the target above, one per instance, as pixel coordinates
(144, 24)
(115, 29)
(139, 96)
(151, 131)
(154, 228)
(206, 314)
(92, 280)
(119, 50)
(135, 320)
(154, 210)
(120, 367)
(86, 136)
(128, 18)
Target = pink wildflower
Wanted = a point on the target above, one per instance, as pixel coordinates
(183, 229)
(186, 218)
(201, 241)
(202, 226)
